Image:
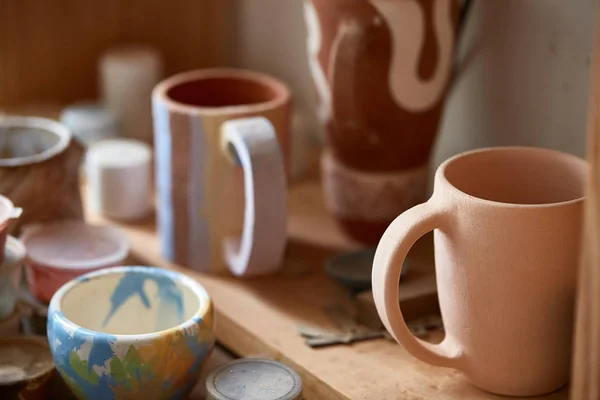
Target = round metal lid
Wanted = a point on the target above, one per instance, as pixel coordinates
(254, 379)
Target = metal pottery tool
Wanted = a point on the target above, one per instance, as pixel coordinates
(350, 330)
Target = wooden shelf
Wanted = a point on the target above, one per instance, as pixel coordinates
(258, 317)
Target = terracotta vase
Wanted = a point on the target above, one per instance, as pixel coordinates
(381, 69)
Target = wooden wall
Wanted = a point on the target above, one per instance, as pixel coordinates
(586, 364)
(49, 48)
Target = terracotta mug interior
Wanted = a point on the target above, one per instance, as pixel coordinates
(226, 90)
(519, 176)
(132, 301)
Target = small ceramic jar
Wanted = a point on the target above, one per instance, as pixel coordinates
(90, 122)
(10, 275)
(141, 332)
(128, 73)
(119, 178)
(61, 251)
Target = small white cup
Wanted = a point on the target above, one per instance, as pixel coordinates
(119, 180)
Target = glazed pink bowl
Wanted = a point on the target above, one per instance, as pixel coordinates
(61, 251)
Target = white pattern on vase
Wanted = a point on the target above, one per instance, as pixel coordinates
(313, 43)
(405, 19)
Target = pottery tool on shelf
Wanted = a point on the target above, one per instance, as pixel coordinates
(349, 330)
(317, 337)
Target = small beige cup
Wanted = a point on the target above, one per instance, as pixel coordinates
(507, 226)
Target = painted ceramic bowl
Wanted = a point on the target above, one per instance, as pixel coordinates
(131, 333)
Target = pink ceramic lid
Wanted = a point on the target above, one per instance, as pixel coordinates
(75, 245)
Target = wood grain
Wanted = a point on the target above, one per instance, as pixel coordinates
(586, 364)
(259, 317)
(49, 49)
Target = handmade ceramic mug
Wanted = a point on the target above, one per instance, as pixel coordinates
(507, 225)
(221, 139)
(131, 333)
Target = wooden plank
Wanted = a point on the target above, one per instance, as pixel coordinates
(260, 316)
(586, 363)
(50, 48)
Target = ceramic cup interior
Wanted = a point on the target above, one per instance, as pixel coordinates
(131, 300)
(518, 175)
(225, 89)
(27, 139)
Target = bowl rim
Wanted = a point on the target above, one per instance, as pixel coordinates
(205, 307)
(38, 340)
(43, 124)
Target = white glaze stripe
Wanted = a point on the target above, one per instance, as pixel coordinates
(261, 247)
(164, 213)
(405, 20)
(313, 43)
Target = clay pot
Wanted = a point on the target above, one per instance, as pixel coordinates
(381, 69)
(39, 170)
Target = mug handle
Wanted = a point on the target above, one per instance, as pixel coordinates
(261, 247)
(391, 251)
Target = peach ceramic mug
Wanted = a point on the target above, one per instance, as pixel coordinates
(507, 224)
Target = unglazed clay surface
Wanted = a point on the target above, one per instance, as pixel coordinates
(507, 229)
(131, 332)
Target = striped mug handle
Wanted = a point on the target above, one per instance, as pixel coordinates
(260, 249)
